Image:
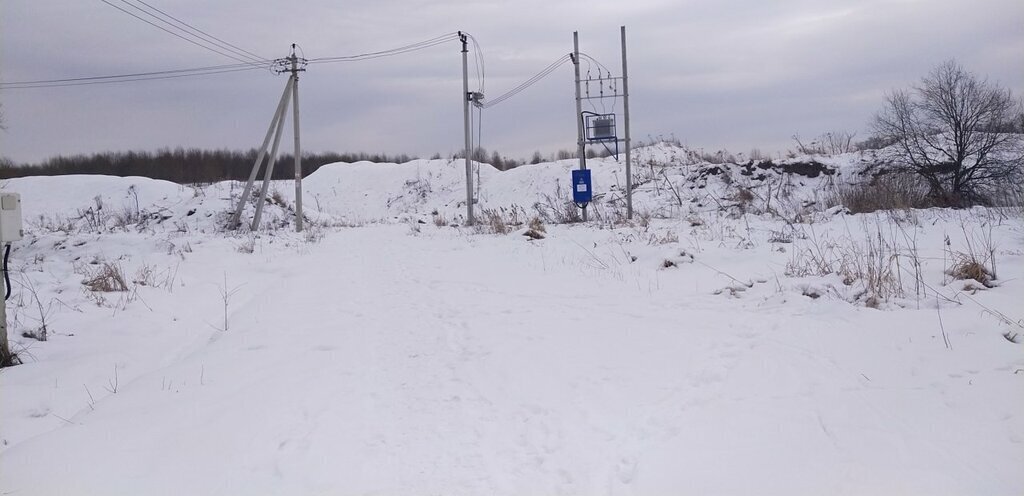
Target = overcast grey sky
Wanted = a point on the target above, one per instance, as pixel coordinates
(736, 74)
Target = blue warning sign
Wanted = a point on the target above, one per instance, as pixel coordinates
(581, 188)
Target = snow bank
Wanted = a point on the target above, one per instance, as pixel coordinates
(661, 356)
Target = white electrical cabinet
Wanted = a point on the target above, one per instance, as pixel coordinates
(10, 217)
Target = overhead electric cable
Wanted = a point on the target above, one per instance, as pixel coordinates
(192, 41)
(615, 96)
(203, 34)
(478, 58)
(529, 82)
(387, 53)
(123, 78)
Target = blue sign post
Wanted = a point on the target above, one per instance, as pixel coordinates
(581, 187)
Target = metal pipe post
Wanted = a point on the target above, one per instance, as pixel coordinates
(580, 147)
(625, 112)
(465, 118)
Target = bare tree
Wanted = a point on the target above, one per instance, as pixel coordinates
(950, 131)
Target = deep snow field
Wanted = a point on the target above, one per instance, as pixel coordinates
(737, 337)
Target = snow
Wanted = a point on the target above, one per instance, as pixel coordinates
(385, 354)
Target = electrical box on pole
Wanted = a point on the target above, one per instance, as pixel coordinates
(10, 230)
(582, 188)
(10, 218)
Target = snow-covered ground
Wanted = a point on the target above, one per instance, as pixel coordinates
(738, 337)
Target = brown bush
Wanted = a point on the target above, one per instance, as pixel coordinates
(108, 278)
(889, 191)
(967, 267)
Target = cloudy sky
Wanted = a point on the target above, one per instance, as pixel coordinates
(735, 74)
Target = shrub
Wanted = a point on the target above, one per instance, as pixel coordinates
(888, 191)
(109, 277)
(967, 267)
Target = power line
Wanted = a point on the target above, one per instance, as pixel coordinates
(123, 78)
(529, 82)
(478, 59)
(390, 52)
(196, 43)
(219, 69)
(209, 37)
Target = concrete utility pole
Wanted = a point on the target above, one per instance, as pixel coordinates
(466, 97)
(298, 149)
(291, 91)
(271, 161)
(580, 144)
(278, 115)
(625, 112)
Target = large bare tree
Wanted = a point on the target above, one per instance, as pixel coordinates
(955, 130)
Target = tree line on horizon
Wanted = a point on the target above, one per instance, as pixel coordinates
(195, 165)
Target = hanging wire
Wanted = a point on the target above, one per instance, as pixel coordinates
(204, 35)
(390, 52)
(615, 96)
(529, 82)
(479, 137)
(220, 69)
(201, 44)
(478, 57)
(121, 78)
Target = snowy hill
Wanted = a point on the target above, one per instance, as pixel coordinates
(740, 336)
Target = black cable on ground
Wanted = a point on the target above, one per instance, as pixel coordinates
(7, 277)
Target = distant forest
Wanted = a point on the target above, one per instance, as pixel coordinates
(193, 165)
(183, 165)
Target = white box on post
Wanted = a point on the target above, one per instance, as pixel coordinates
(10, 217)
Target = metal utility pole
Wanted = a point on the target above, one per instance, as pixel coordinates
(298, 149)
(625, 112)
(466, 97)
(580, 145)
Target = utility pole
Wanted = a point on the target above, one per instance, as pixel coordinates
(466, 97)
(625, 111)
(294, 65)
(298, 149)
(580, 145)
(278, 115)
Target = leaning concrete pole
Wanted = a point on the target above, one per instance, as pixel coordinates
(268, 174)
(278, 114)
